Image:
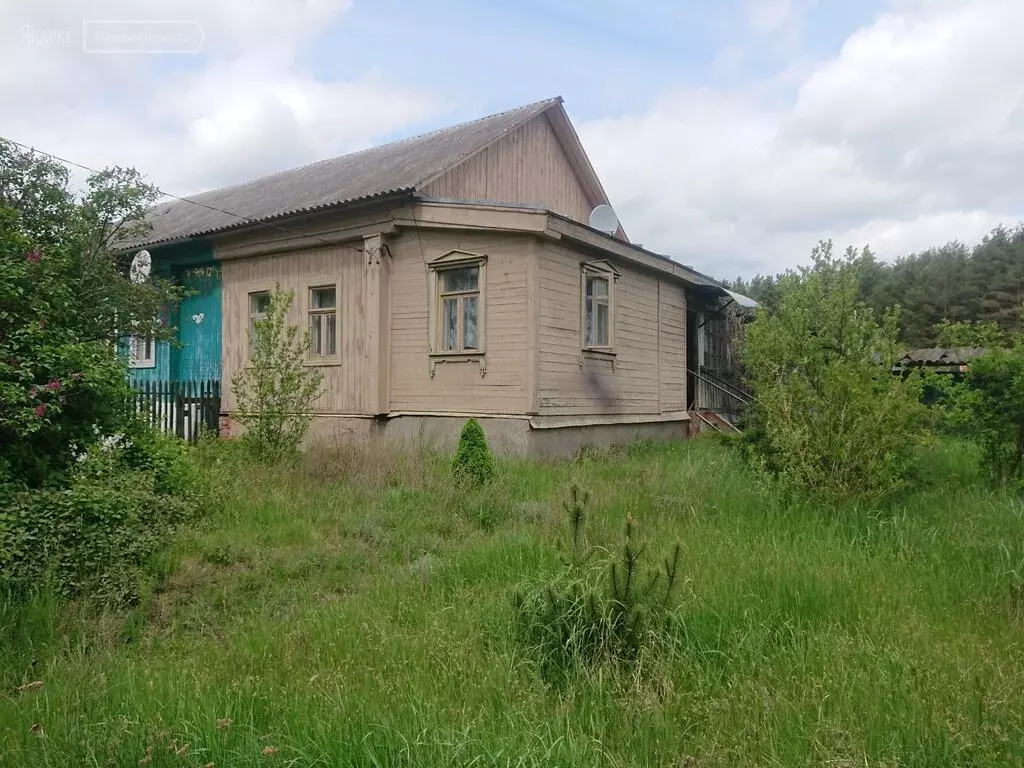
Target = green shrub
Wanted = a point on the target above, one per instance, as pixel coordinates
(988, 406)
(96, 535)
(167, 459)
(598, 611)
(87, 494)
(829, 416)
(473, 459)
(64, 299)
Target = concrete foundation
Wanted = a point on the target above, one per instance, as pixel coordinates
(569, 439)
(507, 435)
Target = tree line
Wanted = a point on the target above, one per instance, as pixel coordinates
(953, 283)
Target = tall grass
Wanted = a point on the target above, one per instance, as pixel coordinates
(357, 610)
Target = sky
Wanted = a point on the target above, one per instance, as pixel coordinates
(730, 135)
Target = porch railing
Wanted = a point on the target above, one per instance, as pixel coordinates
(713, 393)
(183, 408)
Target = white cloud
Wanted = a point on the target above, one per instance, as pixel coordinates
(912, 135)
(243, 107)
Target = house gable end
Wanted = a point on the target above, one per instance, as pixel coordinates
(529, 165)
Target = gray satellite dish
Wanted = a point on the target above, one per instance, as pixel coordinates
(603, 219)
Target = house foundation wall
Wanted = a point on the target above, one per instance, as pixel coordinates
(568, 440)
(510, 436)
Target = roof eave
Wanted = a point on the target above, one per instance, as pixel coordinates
(566, 227)
(271, 221)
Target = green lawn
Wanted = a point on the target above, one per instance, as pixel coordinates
(358, 611)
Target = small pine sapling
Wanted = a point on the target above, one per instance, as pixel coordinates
(614, 611)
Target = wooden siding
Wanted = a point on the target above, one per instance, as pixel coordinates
(672, 346)
(458, 386)
(648, 372)
(345, 383)
(528, 166)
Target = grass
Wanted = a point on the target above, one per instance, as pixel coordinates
(357, 611)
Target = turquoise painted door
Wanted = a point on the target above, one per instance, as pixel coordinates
(198, 357)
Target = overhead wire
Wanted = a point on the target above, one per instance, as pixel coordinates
(165, 193)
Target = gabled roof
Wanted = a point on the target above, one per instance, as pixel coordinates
(401, 167)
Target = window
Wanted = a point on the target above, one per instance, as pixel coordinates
(323, 321)
(458, 309)
(459, 292)
(259, 305)
(141, 352)
(598, 306)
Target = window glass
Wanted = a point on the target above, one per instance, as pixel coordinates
(141, 352)
(450, 324)
(601, 325)
(323, 298)
(259, 303)
(469, 304)
(316, 333)
(597, 286)
(331, 346)
(462, 279)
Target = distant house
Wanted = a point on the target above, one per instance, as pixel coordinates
(940, 359)
(444, 276)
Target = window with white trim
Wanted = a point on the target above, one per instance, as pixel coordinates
(259, 305)
(597, 302)
(141, 352)
(323, 321)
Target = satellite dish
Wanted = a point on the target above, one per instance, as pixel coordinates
(142, 263)
(603, 219)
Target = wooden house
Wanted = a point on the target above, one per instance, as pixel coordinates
(449, 275)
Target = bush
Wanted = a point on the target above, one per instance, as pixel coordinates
(276, 391)
(988, 406)
(96, 536)
(473, 459)
(86, 493)
(613, 612)
(829, 416)
(65, 298)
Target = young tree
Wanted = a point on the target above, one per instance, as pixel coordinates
(831, 417)
(276, 391)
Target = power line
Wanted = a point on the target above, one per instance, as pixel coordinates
(238, 216)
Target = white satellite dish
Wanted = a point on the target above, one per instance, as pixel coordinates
(603, 219)
(142, 263)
